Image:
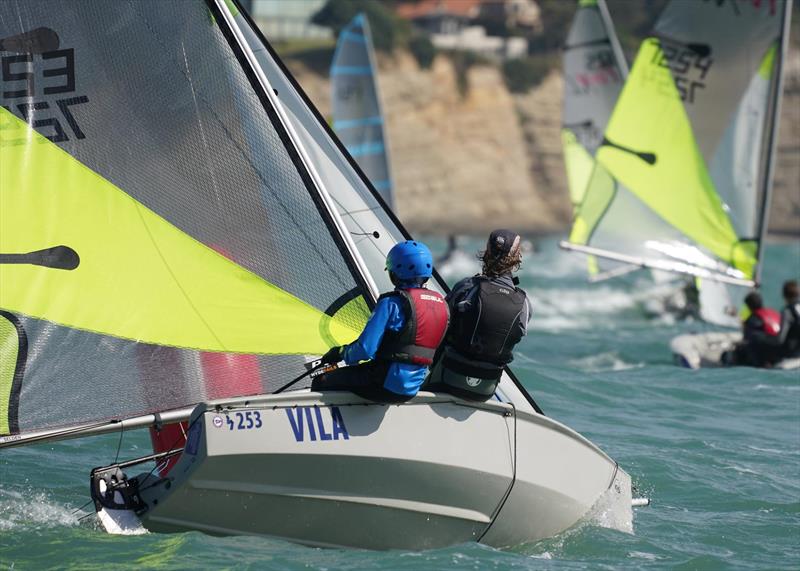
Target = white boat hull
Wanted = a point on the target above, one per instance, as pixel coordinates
(334, 470)
(705, 350)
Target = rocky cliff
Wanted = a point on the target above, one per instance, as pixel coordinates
(468, 163)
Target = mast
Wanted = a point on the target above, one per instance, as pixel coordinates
(773, 123)
(619, 55)
(362, 274)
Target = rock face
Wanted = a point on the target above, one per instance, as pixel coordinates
(464, 164)
(785, 212)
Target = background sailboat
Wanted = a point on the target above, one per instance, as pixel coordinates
(685, 164)
(357, 113)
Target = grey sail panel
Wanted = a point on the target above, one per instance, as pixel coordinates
(357, 115)
(720, 55)
(593, 76)
(373, 231)
(149, 104)
(713, 50)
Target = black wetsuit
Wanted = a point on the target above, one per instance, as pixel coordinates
(488, 318)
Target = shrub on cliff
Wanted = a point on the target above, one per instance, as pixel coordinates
(523, 74)
(388, 31)
(423, 50)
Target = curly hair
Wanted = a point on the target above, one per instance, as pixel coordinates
(494, 266)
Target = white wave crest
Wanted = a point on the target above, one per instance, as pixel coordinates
(609, 361)
(577, 308)
(613, 509)
(33, 510)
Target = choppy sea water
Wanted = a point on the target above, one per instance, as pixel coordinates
(717, 451)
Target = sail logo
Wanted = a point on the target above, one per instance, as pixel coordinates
(308, 423)
(39, 74)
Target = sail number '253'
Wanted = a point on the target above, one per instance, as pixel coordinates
(244, 420)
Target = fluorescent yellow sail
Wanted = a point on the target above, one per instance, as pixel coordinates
(139, 277)
(579, 164)
(650, 148)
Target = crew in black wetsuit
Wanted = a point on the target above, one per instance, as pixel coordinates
(788, 340)
(488, 316)
(759, 332)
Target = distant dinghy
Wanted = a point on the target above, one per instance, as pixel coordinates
(357, 113)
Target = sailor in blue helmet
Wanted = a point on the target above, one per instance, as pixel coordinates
(399, 340)
(489, 317)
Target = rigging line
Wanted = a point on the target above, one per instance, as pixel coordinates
(173, 447)
(81, 508)
(513, 476)
(245, 154)
(360, 210)
(178, 283)
(119, 444)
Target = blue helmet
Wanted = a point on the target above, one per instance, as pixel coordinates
(410, 260)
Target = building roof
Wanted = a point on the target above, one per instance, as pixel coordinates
(426, 8)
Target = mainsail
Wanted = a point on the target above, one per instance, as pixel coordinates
(684, 166)
(152, 203)
(357, 114)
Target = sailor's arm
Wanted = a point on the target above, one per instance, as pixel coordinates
(365, 347)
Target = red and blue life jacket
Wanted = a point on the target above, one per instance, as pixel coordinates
(427, 318)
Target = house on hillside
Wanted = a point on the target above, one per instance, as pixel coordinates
(524, 14)
(441, 17)
(282, 20)
(455, 24)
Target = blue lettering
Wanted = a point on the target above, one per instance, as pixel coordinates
(338, 424)
(311, 432)
(296, 422)
(322, 434)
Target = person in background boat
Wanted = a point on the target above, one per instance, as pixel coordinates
(489, 316)
(400, 337)
(788, 340)
(758, 330)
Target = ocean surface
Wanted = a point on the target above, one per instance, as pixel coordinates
(717, 451)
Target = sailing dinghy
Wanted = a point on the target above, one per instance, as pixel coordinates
(356, 104)
(682, 178)
(180, 235)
